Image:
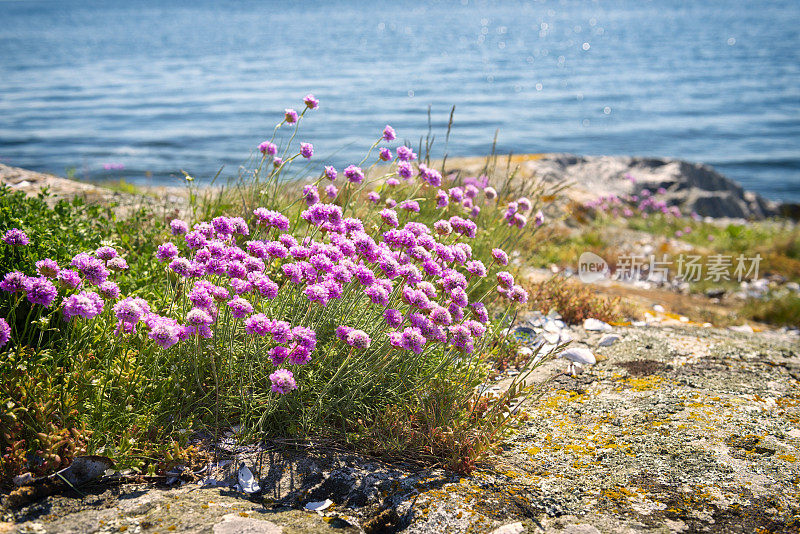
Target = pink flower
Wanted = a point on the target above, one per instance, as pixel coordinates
(268, 148)
(311, 102)
(282, 381)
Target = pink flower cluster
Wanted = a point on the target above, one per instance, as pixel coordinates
(642, 204)
(397, 285)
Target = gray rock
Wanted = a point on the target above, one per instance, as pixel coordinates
(694, 187)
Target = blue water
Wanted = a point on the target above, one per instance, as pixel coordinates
(163, 86)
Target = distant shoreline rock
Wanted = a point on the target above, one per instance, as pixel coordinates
(693, 187)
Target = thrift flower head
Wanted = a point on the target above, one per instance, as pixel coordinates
(130, 310)
(384, 154)
(282, 332)
(68, 279)
(480, 312)
(518, 294)
(196, 239)
(306, 150)
(374, 197)
(5, 332)
(117, 264)
(199, 320)
(240, 307)
(268, 148)
(105, 253)
(442, 199)
(16, 238)
(389, 217)
(277, 162)
(405, 154)
(393, 317)
(358, 339)
(311, 194)
(311, 102)
(165, 332)
(271, 218)
(258, 324)
(505, 279)
(108, 290)
(389, 133)
(524, 204)
(354, 174)
(500, 256)
(430, 176)
(413, 340)
(343, 331)
(538, 219)
(443, 227)
(80, 259)
(476, 267)
(405, 170)
(178, 227)
(409, 205)
(299, 355)
(47, 267)
(278, 354)
(282, 381)
(330, 173)
(40, 291)
(290, 116)
(331, 191)
(181, 266)
(86, 304)
(441, 316)
(490, 193)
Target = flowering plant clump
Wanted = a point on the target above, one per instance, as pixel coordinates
(644, 204)
(307, 313)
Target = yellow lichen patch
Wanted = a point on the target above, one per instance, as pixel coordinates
(619, 494)
(520, 158)
(558, 398)
(645, 383)
(788, 457)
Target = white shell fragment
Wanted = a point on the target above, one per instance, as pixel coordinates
(319, 506)
(247, 482)
(596, 325)
(579, 355)
(608, 340)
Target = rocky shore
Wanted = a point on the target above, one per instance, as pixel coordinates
(676, 429)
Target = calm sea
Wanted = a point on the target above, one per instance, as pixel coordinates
(159, 86)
